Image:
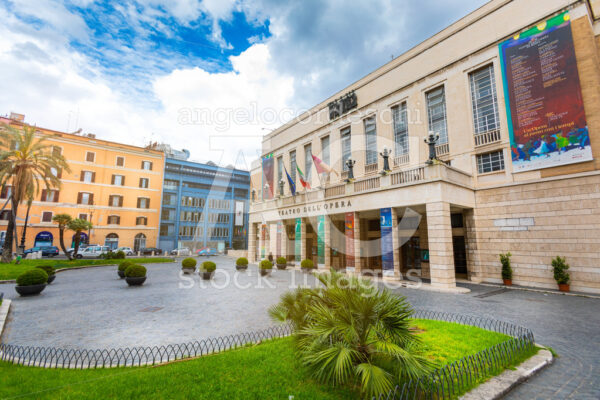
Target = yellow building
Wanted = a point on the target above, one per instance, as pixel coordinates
(117, 187)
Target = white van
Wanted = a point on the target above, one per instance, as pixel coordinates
(93, 252)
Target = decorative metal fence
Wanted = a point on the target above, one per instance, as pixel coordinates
(453, 379)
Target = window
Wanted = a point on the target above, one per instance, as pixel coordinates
(4, 215)
(85, 198)
(293, 165)
(50, 195)
(118, 180)
(114, 220)
(370, 141)
(325, 150)
(166, 214)
(346, 146)
(87, 176)
(144, 183)
(141, 221)
(83, 217)
(143, 202)
(6, 192)
(56, 151)
(436, 113)
(47, 216)
(483, 98)
(279, 169)
(147, 165)
(169, 199)
(456, 220)
(120, 161)
(490, 162)
(115, 200)
(399, 115)
(307, 161)
(166, 229)
(90, 156)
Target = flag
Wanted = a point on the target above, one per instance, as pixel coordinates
(291, 182)
(303, 180)
(321, 167)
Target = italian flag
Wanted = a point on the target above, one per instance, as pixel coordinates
(303, 180)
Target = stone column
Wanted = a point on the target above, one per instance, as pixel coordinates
(474, 269)
(252, 243)
(303, 254)
(261, 242)
(357, 244)
(327, 240)
(273, 241)
(396, 243)
(284, 240)
(441, 254)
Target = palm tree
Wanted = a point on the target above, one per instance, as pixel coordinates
(78, 225)
(349, 332)
(28, 164)
(63, 221)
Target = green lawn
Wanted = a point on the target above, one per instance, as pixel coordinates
(11, 271)
(265, 371)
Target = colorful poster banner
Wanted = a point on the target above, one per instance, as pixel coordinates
(544, 106)
(298, 240)
(387, 243)
(279, 236)
(268, 173)
(349, 230)
(321, 239)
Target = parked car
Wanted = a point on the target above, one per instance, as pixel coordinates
(146, 251)
(183, 251)
(127, 250)
(82, 246)
(93, 252)
(47, 251)
(207, 251)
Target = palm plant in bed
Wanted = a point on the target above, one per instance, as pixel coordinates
(350, 332)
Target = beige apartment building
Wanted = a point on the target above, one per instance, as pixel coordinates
(511, 96)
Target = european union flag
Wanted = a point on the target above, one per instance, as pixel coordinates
(291, 182)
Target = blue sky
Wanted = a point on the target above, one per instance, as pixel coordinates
(125, 70)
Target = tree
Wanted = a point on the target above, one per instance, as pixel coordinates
(27, 164)
(351, 332)
(78, 225)
(63, 222)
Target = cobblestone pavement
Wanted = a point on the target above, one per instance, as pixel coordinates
(92, 308)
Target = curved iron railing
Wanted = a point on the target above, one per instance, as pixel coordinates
(453, 379)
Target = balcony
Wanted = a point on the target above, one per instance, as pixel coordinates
(487, 137)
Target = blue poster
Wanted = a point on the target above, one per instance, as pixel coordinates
(387, 243)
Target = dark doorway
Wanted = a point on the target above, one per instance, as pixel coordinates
(460, 256)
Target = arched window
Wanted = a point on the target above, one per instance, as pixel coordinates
(139, 242)
(112, 241)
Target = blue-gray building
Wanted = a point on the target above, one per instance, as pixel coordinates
(203, 205)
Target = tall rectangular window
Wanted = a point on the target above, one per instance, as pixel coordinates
(325, 157)
(436, 113)
(47, 215)
(307, 161)
(490, 162)
(483, 98)
(118, 180)
(144, 183)
(120, 161)
(293, 165)
(346, 146)
(399, 115)
(370, 141)
(87, 176)
(147, 165)
(279, 169)
(90, 156)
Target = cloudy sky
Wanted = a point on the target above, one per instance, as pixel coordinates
(211, 76)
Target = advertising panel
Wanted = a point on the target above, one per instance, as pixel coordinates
(268, 171)
(321, 239)
(349, 230)
(298, 240)
(387, 243)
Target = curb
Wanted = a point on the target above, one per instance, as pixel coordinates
(532, 289)
(498, 386)
(4, 308)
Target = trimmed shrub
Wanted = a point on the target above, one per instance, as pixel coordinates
(281, 260)
(35, 276)
(188, 263)
(120, 255)
(49, 269)
(135, 271)
(265, 264)
(124, 265)
(241, 261)
(208, 266)
(560, 267)
(506, 269)
(307, 264)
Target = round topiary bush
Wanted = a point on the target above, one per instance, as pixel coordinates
(241, 261)
(124, 265)
(265, 264)
(135, 271)
(188, 263)
(32, 277)
(49, 269)
(120, 255)
(281, 260)
(208, 266)
(307, 264)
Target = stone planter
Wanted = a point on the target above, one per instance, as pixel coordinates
(241, 267)
(207, 275)
(507, 282)
(121, 274)
(564, 287)
(30, 290)
(51, 278)
(307, 270)
(265, 272)
(135, 280)
(281, 266)
(188, 271)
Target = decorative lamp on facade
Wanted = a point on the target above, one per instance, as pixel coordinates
(431, 141)
(350, 164)
(281, 184)
(386, 153)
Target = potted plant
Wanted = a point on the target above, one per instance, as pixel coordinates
(506, 268)
(188, 265)
(241, 264)
(208, 269)
(307, 265)
(561, 276)
(122, 267)
(135, 275)
(281, 262)
(49, 269)
(31, 282)
(265, 267)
